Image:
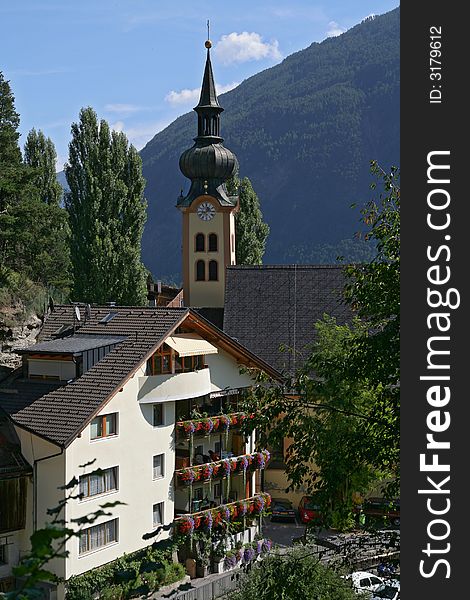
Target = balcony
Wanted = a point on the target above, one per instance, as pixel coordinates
(220, 516)
(174, 386)
(220, 469)
(213, 424)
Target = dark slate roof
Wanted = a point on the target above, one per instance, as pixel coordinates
(270, 306)
(208, 97)
(73, 344)
(59, 414)
(213, 314)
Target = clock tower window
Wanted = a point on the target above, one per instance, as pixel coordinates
(200, 245)
(200, 270)
(213, 270)
(213, 242)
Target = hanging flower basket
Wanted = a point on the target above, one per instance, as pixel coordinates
(225, 422)
(248, 554)
(188, 476)
(206, 472)
(208, 521)
(186, 525)
(207, 426)
(189, 427)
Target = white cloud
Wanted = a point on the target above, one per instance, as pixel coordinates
(187, 96)
(243, 47)
(334, 29)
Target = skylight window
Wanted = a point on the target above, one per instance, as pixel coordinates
(108, 317)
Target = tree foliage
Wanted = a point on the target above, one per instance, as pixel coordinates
(40, 154)
(251, 231)
(342, 409)
(107, 213)
(291, 576)
(33, 231)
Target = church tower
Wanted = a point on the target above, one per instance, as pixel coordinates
(208, 211)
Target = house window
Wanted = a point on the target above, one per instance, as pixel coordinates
(157, 415)
(3, 554)
(212, 242)
(200, 270)
(99, 482)
(158, 514)
(213, 270)
(187, 364)
(200, 245)
(98, 536)
(217, 490)
(160, 363)
(104, 426)
(158, 471)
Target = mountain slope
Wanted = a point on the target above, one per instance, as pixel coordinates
(304, 132)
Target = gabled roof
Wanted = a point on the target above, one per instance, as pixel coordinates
(267, 307)
(59, 412)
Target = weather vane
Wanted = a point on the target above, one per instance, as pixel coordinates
(208, 43)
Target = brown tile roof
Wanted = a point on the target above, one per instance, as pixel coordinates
(270, 306)
(60, 414)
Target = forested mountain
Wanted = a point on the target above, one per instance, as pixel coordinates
(304, 132)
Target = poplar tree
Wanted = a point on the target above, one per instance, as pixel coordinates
(250, 229)
(107, 213)
(40, 154)
(10, 153)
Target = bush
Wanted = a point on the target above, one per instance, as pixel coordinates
(291, 576)
(129, 576)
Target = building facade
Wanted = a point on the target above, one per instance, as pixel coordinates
(148, 397)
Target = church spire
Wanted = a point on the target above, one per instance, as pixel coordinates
(208, 164)
(208, 109)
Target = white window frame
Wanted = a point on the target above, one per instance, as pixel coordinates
(89, 532)
(162, 466)
(105, 492)
(162, 514)
(163, 414)
(105, 437)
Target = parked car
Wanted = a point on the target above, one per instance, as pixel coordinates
(309, 511)
(282, 510)
(381, 507)
(362, 581)
(390, 590)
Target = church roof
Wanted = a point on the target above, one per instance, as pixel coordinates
(208, 98)
(267, 307)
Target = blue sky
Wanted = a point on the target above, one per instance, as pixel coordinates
(139, 63)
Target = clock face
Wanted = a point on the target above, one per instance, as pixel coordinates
(205, 211)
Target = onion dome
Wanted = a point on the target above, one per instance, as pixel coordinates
(210, 161)
(208, 164)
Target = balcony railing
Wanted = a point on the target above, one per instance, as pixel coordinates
(233, 512)
(214, 424)
(222, 468)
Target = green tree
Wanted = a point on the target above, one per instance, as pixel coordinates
(291, 576)
(250, 229)
(107, 213)
(343, 413)
(40, 154)
(10, 154)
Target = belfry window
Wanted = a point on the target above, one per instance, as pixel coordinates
(212, 242)
(201, 270)
(200, 242)
(213, 270)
